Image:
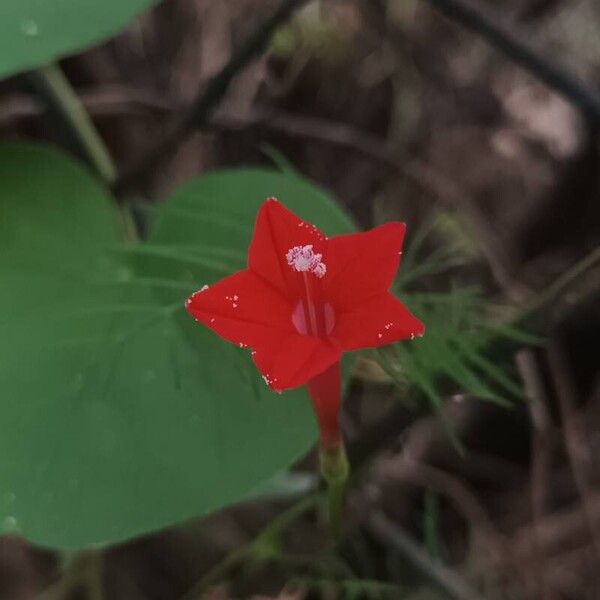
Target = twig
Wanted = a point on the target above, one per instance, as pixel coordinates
(499, 548)
(564, 543)
(541, 457)
(57, 88)
(198, 114)
(423, 475)
(445, 579)
(576, 442)
(558, 287)
(504, 38)
(366, 144)
(218, 573)
(541, 425)
(557, 530)
(573, 573)
(321, 130)
(104, 101)
(123, 101)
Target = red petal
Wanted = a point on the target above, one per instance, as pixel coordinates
(294, 360)
(277, 230)
(243, 309)
(378, 321)
(362, 265)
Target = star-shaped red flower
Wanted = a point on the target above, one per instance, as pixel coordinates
(304, 298)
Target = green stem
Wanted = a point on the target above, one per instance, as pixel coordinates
(218, 572)
(334, 470)
(66, 101)
(62, 97)
(335, 496)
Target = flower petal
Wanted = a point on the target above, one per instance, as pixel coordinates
(381, 320)
(294, 360)
(243, 309)
(277, 231)
(361, 265)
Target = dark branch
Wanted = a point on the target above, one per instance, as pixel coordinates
(199, 113)
(506, 40)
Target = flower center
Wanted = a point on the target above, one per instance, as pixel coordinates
(311, 315)
(316, 319)
(304, 259)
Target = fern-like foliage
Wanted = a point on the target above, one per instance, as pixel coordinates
(460, 326)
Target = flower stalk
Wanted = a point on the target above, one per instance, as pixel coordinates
(324, 391)
(334, 470)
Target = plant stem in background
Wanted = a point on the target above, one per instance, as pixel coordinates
(431, 523)
(208, 98)
(555, 290)
(83, 571)
(61, 94)
(443, 578)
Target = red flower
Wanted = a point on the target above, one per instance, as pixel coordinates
(304, 299)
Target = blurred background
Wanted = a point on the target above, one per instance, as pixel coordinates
(406, 113)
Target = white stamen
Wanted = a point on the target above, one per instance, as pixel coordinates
(303, 259)
(320, 270)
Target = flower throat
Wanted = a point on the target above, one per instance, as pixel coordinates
(311, 316)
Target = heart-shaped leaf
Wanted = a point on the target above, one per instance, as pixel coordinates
(119, 414)
(34, 32)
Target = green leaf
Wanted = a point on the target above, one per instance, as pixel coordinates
(119, 414)
(35, 32)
